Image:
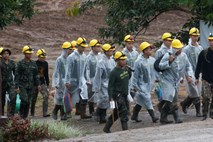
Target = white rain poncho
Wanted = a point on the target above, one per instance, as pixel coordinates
(143, 80)
(192, 53)
(58, 78)
(75, 76)
(90, 69)
(173, 73)
(131, 56)
(101, 79)
(161, 51)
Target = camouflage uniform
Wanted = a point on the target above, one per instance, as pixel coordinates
(26, 76)
(8, 85)
(207, 94)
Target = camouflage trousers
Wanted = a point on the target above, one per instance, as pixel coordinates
(207, 94)
(12, 99)
(45, 95)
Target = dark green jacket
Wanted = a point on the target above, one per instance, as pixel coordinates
(8, 72)
(118, 82)
(26, 74)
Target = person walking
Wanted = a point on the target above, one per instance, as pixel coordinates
(101, 79)
(143, 80)
(43, 71)
(175, 65)
(205, 67)
(8, 84)
(75, 80)
(192, 51)
(90, 68)
(58, 81)
(118, 92)
(26, 77)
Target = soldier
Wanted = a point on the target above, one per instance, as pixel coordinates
(100, 84)
(8, 84)
(192, 51)
(205, 66)
(166, 45)
(43, 72)
(118, 91)
(143, 80)
(26, 76)
(90, 67)
(58, 81)
(74, 78)
(175, 65)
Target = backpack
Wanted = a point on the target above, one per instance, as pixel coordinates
(157, 62)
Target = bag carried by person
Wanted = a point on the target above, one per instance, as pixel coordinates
(67, 101)
(18, 103)
(157, 62)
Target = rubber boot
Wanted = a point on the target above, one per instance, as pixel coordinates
(77, 109)
(176, 117)
(83, 112)
(55, 112)
(91, 108)
(164, 113)
(107, 126)
(197, 107)
(102, 116)
(152, 114)
(63, 114)
(124, 125)
(97, 114)
(185, 104)
(136, 110)
(205, 109)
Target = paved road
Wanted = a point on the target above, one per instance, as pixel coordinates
(198, 131)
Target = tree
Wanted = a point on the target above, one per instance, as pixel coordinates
(15, 11)
(134, 16)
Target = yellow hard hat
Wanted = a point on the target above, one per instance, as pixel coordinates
(73, 44)
(194, 31)
(210, 36)
(107, 47)
(27, 49)
(119, 55)
(94, 42)
(1, 49)
(144, 45)
(176, 44)
(41, 53)
(167, 36)
(66, 45)
(81, 41)
(128, 38)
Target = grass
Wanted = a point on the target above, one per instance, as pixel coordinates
(59, 130)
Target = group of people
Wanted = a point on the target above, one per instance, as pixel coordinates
(112, 77)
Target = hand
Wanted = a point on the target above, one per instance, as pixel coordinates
(181, 81)
(196, 81)
(17, 90)
(67, 85)
(171, 58)
(189, 79)
(39, 88)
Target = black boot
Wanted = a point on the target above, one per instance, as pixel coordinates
(91, 108)
(124, 125)
(185, 104)
(83, 112)
(55, 112)
(176, 117)
(102, 116)
(108, 126)
(152, 114)
(77, 109)
(63, 114)
(197, 107)
(136, 110)
(164, 113)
